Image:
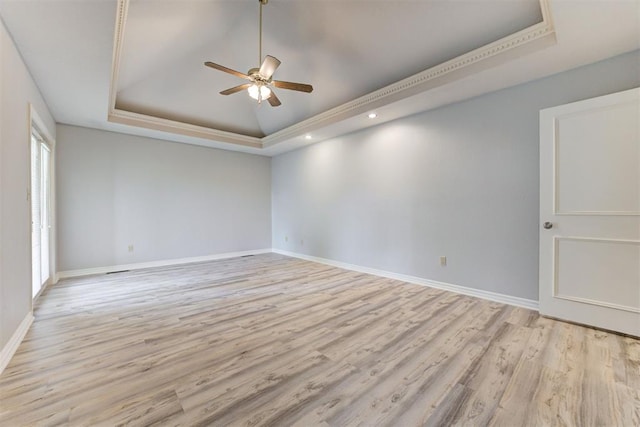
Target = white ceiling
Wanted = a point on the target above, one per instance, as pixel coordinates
(346, 49)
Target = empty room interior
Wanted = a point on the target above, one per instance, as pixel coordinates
(320, 213)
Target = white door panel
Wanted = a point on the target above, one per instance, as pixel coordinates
(597, 169)
(590, 196)
(582, 264)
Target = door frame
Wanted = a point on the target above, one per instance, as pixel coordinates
(35, 122)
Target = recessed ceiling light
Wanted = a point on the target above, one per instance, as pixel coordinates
(372, 115)
(307, 137)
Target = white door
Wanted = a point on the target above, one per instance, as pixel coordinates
(590, 212)
(36, 215)
(40, 212)
(45, 212)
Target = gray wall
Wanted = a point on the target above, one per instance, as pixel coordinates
(168, 200)
(459, 181)
(17, 91)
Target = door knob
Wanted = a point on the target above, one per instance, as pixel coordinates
(547, 225)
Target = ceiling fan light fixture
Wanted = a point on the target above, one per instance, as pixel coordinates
(259, 92)
(260, 78)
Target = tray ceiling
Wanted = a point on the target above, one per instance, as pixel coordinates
(136, 66)
(345, 49)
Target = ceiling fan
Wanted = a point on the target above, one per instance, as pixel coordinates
(260, 79)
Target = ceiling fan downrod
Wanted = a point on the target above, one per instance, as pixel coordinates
(262, 3)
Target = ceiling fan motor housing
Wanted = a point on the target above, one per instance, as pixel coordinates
(255, 74)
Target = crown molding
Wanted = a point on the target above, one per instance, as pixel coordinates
(512, 46)
(118, 43)
(487, 56)
(157, 123)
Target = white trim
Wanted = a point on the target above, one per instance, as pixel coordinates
(123, 8)
(45, 285)
(161, 263)
(598, 213)
(41, 127)
(478, 293)
(14, 342)
(598, 240)
(598, 303)
(171, 126)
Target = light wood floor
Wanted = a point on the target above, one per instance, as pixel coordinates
(271, 340)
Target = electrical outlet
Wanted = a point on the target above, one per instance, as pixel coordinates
(301, 242)
(286, 238)
(130, 248)
(443, 261)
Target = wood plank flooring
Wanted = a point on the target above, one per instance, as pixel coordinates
(275, 341)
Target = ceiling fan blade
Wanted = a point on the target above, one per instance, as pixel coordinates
(227, 70)
(269, 66)
(273, 100)
(301, 87)
(236, 89)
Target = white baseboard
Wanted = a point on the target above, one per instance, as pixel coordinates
(14, 342)
(46, 285)
(162, 263)
(491, 296)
